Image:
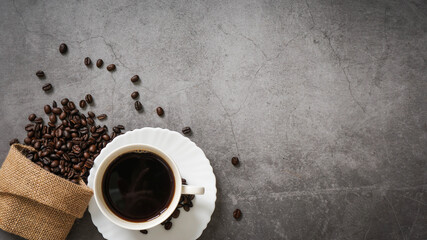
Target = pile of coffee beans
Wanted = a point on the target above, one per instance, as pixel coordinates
(69, 142)
(185, 202)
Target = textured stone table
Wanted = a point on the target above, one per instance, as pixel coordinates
(325, 102)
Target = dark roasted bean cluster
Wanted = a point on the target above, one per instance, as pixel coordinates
(69, 142)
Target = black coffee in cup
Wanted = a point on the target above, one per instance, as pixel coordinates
(138, 186)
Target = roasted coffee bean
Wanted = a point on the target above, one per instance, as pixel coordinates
(57, 110)
(76, 149)
(47, 109)
(99, 63)
(13, 141)
(54, 163)
(106, 137)
(37, 145)
(235, 161)
(186, 208)
(30, 134)
(102, 116)
(237, 214)
(40, 74)
(63, 116)
(87, 61)
(52, 118)
(90, 121)
(160, 111)
(89, 98)
(38, 120)
(143, 231)
(186, 130)
(176, 213)
(82, 103)
(32, 117)
(91, 114)
(27, 141)
(92, 148)
(134, 95)
(138, 106)
(54, 104)
(121, 127)
(63, 48)
(168, 225)
(71, 105)
(135, 78)
(47, 87)
(64, 101)
(29, 127)
(116, 130)
(111, 67)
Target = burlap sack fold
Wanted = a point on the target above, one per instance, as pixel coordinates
(36, 204)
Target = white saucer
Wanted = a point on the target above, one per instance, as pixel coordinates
(193, 166)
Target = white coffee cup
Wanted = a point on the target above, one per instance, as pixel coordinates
(178, 190)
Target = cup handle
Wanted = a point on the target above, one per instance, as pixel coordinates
(186, 189)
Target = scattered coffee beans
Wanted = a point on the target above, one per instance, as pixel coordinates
(102, 116)
(235, 161)
(134, 95)
(135, 78)
(13, 141)
(138, 106)
(160, 111)
(111, 67)
(47, 87)
(68, 149)
(237, 214)
(63, 48)
(32, 117)
(82, 103)
(87, 61)
(99, 63)
(186, 130)
(40, 74)
(89, 98)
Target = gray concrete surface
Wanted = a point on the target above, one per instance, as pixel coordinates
(325, 102)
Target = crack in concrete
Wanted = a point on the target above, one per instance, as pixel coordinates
(345, 73)
(395, 216)
(311, 15)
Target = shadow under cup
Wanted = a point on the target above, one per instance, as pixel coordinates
(137, 187)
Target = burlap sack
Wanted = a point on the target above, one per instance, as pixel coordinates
(36, 204)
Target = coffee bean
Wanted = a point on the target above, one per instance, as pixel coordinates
(186, 208)
(102, 116)
(235, 161)
(160, 111)
(92, 148)
(184, 181)
(76, 149)
(63, 48)
(40, 74)
(90, 121)
(13, 141)
(52, 118)
(111, 67)
(106, 137)
(54, 163)
(134, 95)
(121, 127)
(135, 78)
(27, 141)
(89, 98)
(64, 101)
(168, 225)
(29, 127)
(87, 61)
(176, 213)
(138, 106)
(37, 145)
(54, 104)
(99, 63)
(82, 103)
(237, 214)
(38, 120)
(63, 115)
(32, 117)
(116, 130)
(56, 111)
(186, 130)
(143, 231)
(91, 114)
(47, 87)
(71, 105)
